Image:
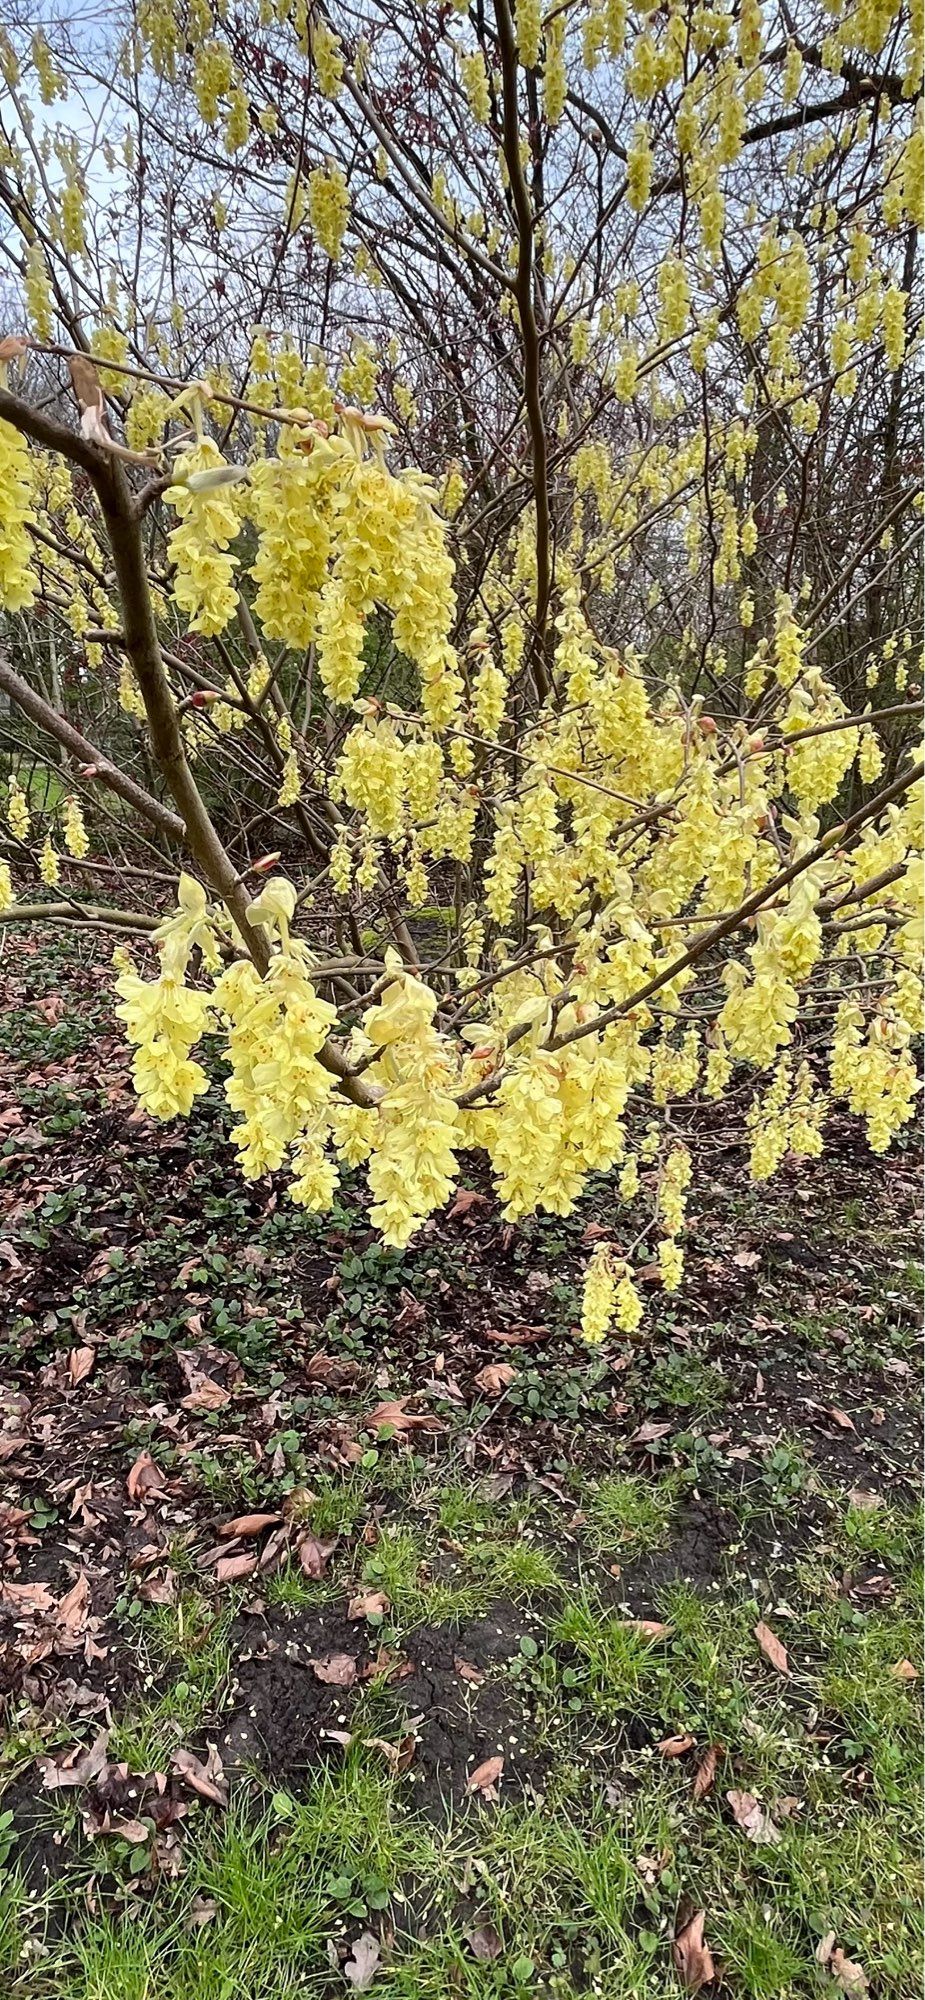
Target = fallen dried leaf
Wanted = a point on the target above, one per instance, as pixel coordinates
(706, 1771)
(71, 1612)
(135, 1831)
(676, 1746)
(158, 1589)
(26, 1596)
(772, 1648)
(144, 1478)
(650, 1433)
(314, 1555)
(753, 1818)
(864, 1502)
(76, 1767)
(205, 1394)
(484, 1943)
(521, 1336)
(904, 1671)
(202, 1911)
(361, 1967)
(468, 1671)
(207, 1779)
(495, 1377)
(230, 1569)
(847, 1974)
(332, 1370)
(80, 1363)
(335, 1670)
(399, 1756)
(368, 1604)
(841, 1419)
(466, 1200)
(412, 1312)
(648, 1628)
(249, 1524)
(693, 1958)
(485, 1777)
(397, 1418)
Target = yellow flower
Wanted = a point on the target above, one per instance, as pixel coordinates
(18, 587)
(203, 584)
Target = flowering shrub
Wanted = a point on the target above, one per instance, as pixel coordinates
(522, 613)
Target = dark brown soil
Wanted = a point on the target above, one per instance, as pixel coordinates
(282, 1717)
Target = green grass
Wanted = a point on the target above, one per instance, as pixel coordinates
(629, 1514)
(191, 1640)
(581, 1883)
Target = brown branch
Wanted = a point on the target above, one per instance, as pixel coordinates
(46, 431)
(55, 725)
(530, 338)
(93, 914)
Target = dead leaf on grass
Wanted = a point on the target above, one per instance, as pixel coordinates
(676, 1746)
(368, 1604)
(397, 1418)
(230, 1569)
(864, 1502)
(144, 1478)
(361, 1967)
(315, 1554)
(648, 1628)
(335, 1670)
(245, 1525)
(846, 1972)
(650, 1433)
(753, 1818)
(158, 1589)
(80, 1363)
(135, 1831)
(495, 1377)
(841, 1419)
(693, 1958)
(904, 1671)
(202, 1911)
(485, 1777)
(207, 1779)
(771, 1647)
(484, 1943)
(389, 1665)
(398, 1756)
(706, 1772)
(76, 1767)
